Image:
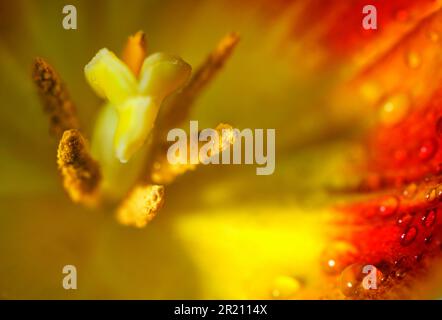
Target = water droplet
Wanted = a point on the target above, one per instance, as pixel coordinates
(408, 236)
(410, 191)
(385, 268)
(427, 149)
(388, 206)
(403, 265)
(355, 283)
(351, 280)
(285, 287)
(419, 257)
(405, 219)
(431, 195)
(428, 239)
(394, 109)
(429, 218)
(336, 256)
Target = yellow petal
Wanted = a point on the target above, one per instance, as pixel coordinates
(110, 77)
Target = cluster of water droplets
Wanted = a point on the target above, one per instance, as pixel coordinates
(416, 215)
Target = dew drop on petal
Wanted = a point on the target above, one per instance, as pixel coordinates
(394, 109)
(351, 280)
(427, 149)
(428, 239)
(400, 273)
(408, 236)
(410, 191)
(357, 282)
(431, 195)
(388, 206)
(336, 256)
(403, 265)
(405, 219)
(439, 192)
(429, 218)
(285, 287)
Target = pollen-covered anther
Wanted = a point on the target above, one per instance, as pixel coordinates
(214, 62)
(80, 172)
(227, 134)
(141, 205)
(227, 137)
(135, 51)
(55, 97)
(164, 172)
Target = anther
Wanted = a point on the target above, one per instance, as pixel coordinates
(141, 205)
(55, 97)
(81, 174)
(135, 51)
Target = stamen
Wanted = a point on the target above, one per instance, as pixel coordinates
(141, 205)
(164, 172)
(81, 174)
(228, 135)
(178, 107)
(55, 97)
(135, 51)
(228, 138)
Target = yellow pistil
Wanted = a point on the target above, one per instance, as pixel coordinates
(136, 102)
(141, 205)
(55, 98)
(81, 174)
